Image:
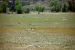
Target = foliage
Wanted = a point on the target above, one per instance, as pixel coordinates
(26, 9)
(11, 6)
(39, 8)
(0, 8)
(18, 7)
(72, 5)
(65, 7)
(4, 7)
(55, 5)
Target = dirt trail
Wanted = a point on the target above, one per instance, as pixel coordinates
(64, 30)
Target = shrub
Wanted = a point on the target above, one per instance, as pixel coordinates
(39, 8)
(55, 5)
(65, 7)
(26, 9)
(18, 7)
(4, 7)
(72, 5)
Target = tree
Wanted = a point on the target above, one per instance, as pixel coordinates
(72, 5)
(65, 7)
(4, 6)
(11, 5)
(55, 5)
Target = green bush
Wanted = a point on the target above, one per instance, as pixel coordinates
(26, 9)
(18, 7)
(39, 8)
(55, 5)
(65, 7)
(3, 8)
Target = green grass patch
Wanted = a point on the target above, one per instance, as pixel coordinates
(35, 20)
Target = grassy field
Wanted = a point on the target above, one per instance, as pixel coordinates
(45, 31)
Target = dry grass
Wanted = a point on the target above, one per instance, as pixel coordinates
(46, 31)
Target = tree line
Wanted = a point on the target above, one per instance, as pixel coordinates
(54, 6)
